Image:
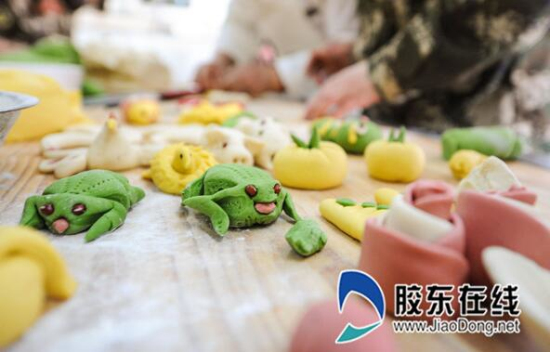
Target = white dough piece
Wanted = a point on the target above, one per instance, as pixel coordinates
(228, 145)
(66, 140)
(69, 165)
(491, 175)
(113, 150)
(405, 218)
(508, 267)
(273, 135)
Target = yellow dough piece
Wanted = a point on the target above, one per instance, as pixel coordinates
(206, 113)
(176, 165)
(31, 270)
(384, 196)
(141, 112)
(395, 160)
(56, 110)
(350, 219)
(319, 165)
(463, 161)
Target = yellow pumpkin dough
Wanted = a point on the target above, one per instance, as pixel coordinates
(31, 271)
(206, 113)
(56, 110)
(395, 160)
(319, 165)
(176, 165)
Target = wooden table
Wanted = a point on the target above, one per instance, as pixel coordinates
(165, 282)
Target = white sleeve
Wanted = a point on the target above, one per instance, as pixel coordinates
(341, 22)
(292, 73)
(238, 35)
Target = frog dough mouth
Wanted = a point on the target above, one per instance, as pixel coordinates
(265, 208)
(60, 225)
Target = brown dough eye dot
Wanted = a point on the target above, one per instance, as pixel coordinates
(78, 209)
(277, 188)
(251, 190)
(224, 145)
(47, 209)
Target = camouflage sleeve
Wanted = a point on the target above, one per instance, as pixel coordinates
(446, 41)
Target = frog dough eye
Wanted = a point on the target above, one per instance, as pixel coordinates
(251, 190)
(277, 188)
(47, 209)
(79, 209)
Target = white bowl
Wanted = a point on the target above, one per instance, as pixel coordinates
(10, 106)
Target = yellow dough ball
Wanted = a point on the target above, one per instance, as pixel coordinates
(141, 112)
(31, 271)
(206, 113)
(176, 165)
(384, 196)
(395, 160)
(319, 165)
(463, 161)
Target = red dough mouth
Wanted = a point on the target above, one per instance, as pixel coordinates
(60, 225)
(265, 208)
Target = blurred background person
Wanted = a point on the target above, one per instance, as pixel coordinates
(265, 45)
(428, 63)
(27, 21)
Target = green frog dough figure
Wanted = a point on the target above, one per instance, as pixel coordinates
(97, 200)
(239, 196)
(352, 135)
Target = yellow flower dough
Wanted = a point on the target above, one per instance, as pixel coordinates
(206, 113)
(349, 218)
(395, 160)
(31, 271)
(463, 161)
(176, 165)
(319, 165)
(56, 110)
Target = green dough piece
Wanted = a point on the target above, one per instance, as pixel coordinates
(47, 50)
(362, 133)
(221, 194)
(382, 206)
(368, 205)
(234, 120)
(96, 200)
(306, 237)
(345, 202)
(499, 141)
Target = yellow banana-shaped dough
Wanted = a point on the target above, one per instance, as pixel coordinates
(348, 216)
(176, 165)
(31, 270)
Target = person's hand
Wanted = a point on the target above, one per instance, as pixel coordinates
(254, 78)
(328, 60)
(344, 92)
(209, 76)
